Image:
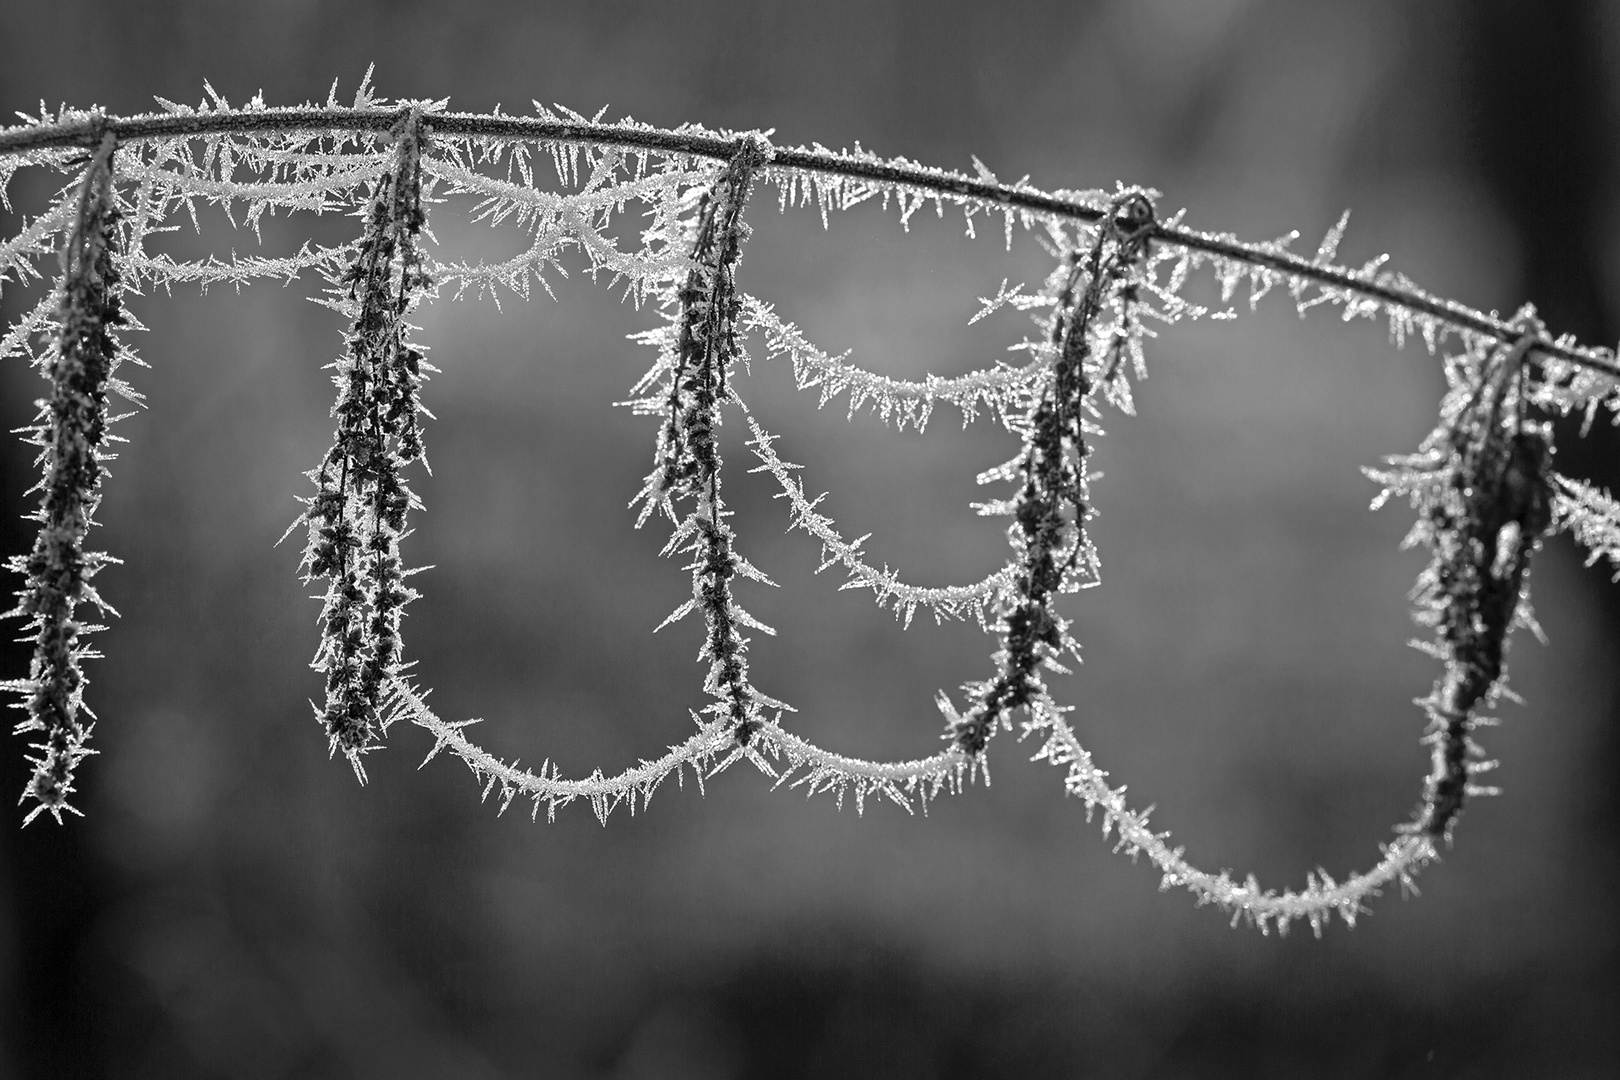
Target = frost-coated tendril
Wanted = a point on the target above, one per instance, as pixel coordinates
(1001, 389)
(948, 601)
(79, 361)
(1248, 901)
(778, 753)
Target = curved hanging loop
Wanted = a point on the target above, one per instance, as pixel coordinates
(1485, 497)
(779, 754)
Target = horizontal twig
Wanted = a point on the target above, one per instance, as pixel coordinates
(87, 132)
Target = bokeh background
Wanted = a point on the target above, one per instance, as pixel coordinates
(235, 905)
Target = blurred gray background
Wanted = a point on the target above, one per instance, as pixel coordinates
(235, 905)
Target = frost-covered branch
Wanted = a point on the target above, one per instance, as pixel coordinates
(836, 179)
(1482, 482)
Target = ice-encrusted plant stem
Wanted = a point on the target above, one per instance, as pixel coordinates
(357, 517)
(696, 369)
(905, 175)
(1481, 483)
(71, 432)
(1051, 507)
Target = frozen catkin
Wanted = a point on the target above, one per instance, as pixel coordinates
(690, 381)
(1482, 486)
(1053, 554)
(81, 354)
(357, 517)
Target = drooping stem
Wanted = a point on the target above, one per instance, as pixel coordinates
(357, 517)
(1051, 507)
(697, 365)
(70, 431)
(1482, 484)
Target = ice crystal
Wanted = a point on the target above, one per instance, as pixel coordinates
(1592, 515)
